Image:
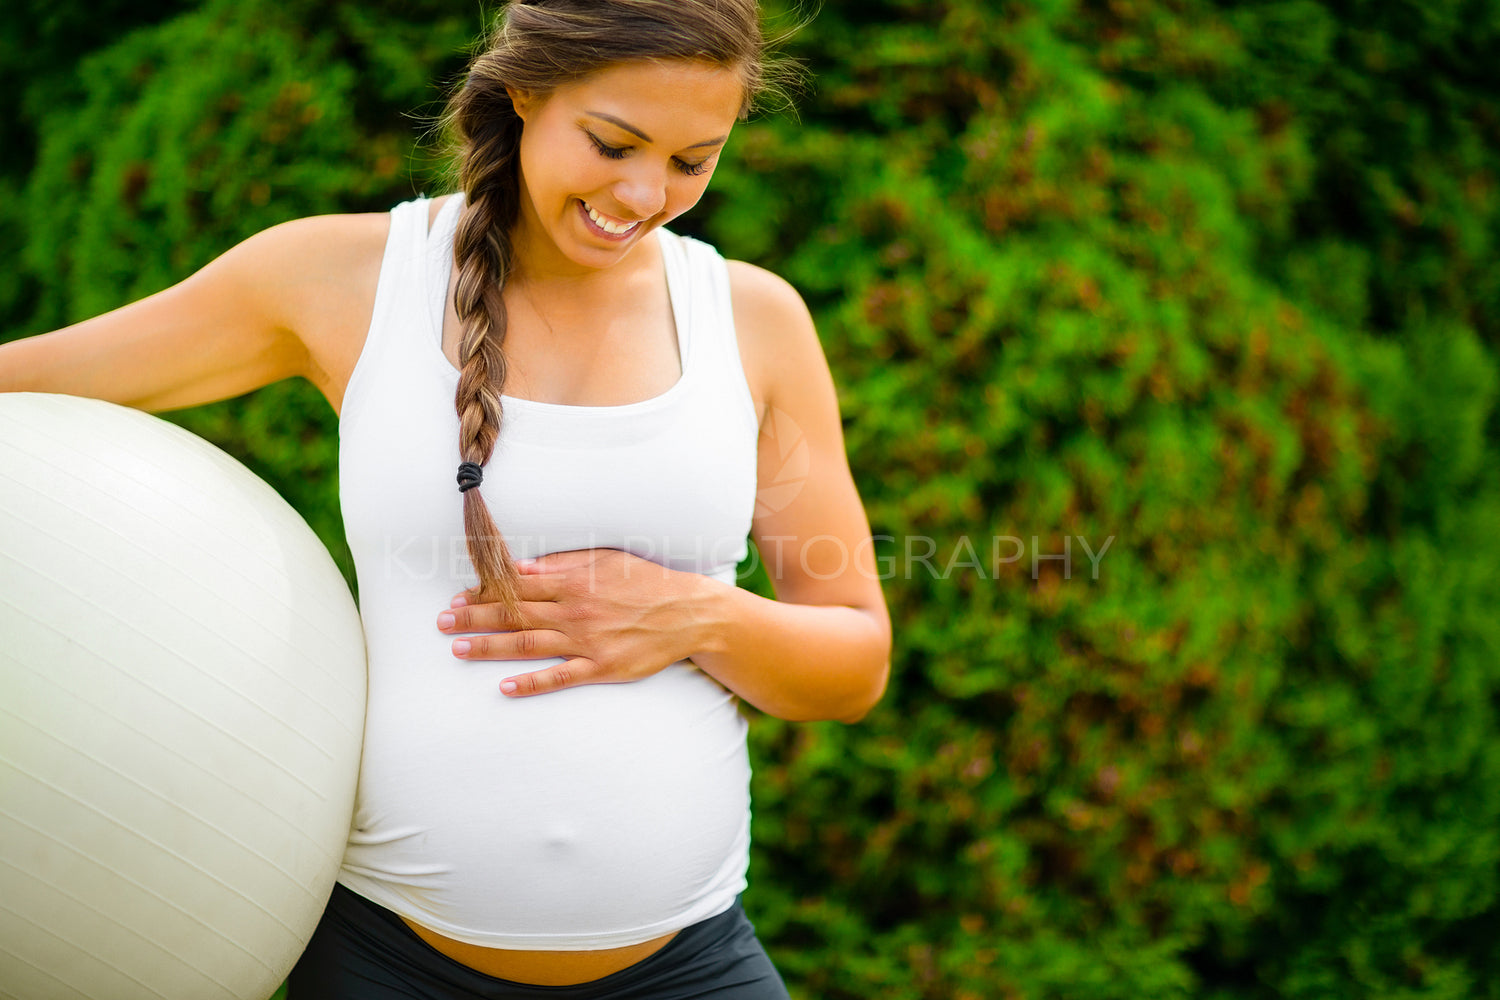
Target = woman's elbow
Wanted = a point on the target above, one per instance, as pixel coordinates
(864, 703)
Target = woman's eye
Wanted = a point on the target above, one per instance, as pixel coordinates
(618, 153)
(613, 152)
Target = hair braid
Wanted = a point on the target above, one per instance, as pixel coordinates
(482, 257)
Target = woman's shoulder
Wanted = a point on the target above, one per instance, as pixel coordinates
(320, 262)
(318, 276)
(773, 326)
(762, 288)
(321, 244)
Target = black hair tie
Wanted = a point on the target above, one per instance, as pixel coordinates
(470, 475)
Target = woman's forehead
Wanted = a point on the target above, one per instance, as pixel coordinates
(668, 101)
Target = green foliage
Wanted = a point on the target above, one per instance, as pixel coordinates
(40, 43)
(1198, 295)
(1397, 102)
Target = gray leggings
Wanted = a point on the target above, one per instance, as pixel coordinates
(362, 951)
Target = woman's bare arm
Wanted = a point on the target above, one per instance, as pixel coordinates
(821, 650)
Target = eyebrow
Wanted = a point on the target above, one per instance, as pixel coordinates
(646, 138)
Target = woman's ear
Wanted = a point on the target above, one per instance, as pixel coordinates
(522, 101)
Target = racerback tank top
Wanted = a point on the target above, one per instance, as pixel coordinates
(594, 817)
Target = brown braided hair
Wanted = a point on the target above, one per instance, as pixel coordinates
(535, 48)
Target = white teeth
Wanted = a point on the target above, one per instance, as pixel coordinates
(613, 228)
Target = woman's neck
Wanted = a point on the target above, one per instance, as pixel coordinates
(569, 284)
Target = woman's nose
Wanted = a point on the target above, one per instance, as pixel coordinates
(643, 191)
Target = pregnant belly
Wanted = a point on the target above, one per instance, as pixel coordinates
(600, 814)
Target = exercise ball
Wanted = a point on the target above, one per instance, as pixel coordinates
(182, 691)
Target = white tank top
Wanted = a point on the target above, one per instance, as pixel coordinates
(594, 817)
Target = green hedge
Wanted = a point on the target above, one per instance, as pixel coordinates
(1202, 296)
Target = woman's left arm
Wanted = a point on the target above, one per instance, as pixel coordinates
(821, 650)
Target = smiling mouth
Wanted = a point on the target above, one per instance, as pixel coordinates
(606, 225)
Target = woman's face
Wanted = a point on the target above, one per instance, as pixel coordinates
(609, 158)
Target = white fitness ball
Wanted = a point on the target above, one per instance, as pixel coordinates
(182, 691)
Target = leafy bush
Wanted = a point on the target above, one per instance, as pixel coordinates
(1100, 294)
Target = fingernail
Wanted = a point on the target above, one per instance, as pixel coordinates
(445, 620)
(525, 563)
(459, 602)
(460, 647)
(508, 687)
